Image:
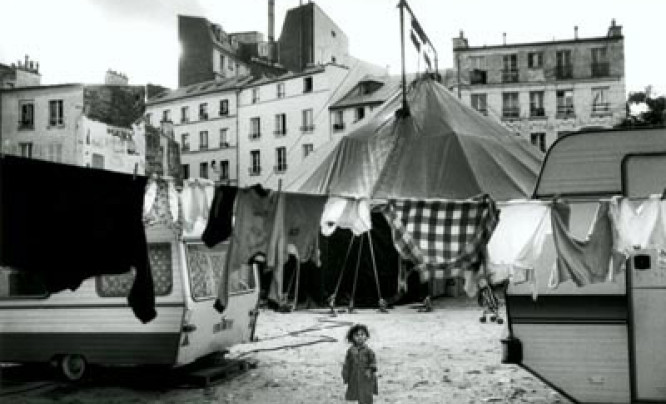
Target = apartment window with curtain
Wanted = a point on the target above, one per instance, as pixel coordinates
(281, 159)
(564, 66)
(255, 162)
(539, 140)
(224, 137)
(280, 90)
(185, 142)
(56, 113)
(280, 124)
(600, 104)
(27, 115)
(600, 65)
(203, 140)
(255, 128)
(536, 104)
(510, 68)
(308, 124)
(255, 95)
(338, 121)
(203, 111)
(480, 103)
(510, 105)
(308, 148)
(203, 169)
(535, 60)
(184, 114)
(565, 105)
(224, 107)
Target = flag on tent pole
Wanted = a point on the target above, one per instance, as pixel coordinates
(417, 27)
(415, 41)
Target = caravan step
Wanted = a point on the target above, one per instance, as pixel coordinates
(218, 373)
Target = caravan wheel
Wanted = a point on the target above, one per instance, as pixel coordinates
(73, 367)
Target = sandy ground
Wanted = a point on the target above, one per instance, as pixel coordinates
(446, 356)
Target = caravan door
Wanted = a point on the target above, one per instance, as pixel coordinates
(206, 330)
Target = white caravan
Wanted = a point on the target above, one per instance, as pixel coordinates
(95, 325)
(606, 342)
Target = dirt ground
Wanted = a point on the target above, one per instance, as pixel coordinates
(445, 356)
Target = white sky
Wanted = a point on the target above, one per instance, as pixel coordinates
(78, 40)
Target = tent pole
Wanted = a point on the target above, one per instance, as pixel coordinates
(358, 264)
(405, 108)
(331, 299)
(298, 276)
(382, 302)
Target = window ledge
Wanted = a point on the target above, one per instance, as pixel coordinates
(538, 118)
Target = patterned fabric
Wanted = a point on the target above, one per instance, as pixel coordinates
(442, 233)
(161, 210)
(206, 267)
(162, 269)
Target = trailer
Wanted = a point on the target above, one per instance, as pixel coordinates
(604, 342)
(94, 325)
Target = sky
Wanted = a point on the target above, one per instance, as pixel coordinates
(77, 41)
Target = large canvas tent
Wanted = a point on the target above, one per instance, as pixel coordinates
(443, 149)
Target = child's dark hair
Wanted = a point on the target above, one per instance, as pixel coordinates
(354, 329)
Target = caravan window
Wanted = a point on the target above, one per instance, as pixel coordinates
(20, 284)
(161, 265)
(206, 267)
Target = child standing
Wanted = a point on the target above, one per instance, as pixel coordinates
(360, 367)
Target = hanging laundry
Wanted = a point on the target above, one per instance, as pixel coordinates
(296, 226)
(161, 211)
(451, 234)
(220, 218)
(352, 214)
(255, 210)
(582, 261)
(67, 223)
(195, 200)
(517, 242)
(636, 223)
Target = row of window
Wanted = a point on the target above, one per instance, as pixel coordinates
(307, 124)
(223, 110)
(280, 92)
(564, 101)
(203, 140)
(27, 114)
(221, 172)
(535, 60)
(338, 118)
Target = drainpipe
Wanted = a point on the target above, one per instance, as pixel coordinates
(238, 184)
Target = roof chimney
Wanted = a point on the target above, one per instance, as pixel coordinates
(576, 32)
(504, 38)
(614, 30)
(271, 20)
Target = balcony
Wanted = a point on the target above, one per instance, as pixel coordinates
(280, 132)
(254, 136)
(511, 112)
(203, 117)
(337, 127)
(564, 72)
(565, 111)
(307, 128)
(26, 125)
(509, 76)
(280, 168)
(601, 108)
(477, 76)
(600, 69)
(224, 145)
(254, 171)
(537, 112)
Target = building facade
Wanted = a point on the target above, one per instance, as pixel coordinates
(542, 90)
(204, 118)
(20, 74)
(76, 124)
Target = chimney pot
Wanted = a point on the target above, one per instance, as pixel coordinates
(504, 37)
(576, 32)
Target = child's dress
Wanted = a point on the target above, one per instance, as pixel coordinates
(359, 386)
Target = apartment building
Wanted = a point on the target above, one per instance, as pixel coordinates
(85, 125)
(204, 121)
(542, 90)
(20, 74)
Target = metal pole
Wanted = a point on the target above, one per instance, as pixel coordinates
(402, 52)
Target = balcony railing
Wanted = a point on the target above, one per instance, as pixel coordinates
(565, 111)
(254, 171)
(338, 127)
(601, 108)
(601, 69)
(280, 168)
(537, 112)
(307, 128)
(280, 132)
(203, 117)
(509, 76)
(564, 72)
(254, 135)
(26, 125)
(511, 112)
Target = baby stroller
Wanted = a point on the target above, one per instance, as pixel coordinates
(489, 301)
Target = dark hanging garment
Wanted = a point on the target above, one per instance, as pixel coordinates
(218, 228)
(67, 223)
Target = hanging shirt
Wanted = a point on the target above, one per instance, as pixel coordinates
(445, 233)
(255, 210)
(517, 242)
(581, 261)
(635, 223)
(220, 218)
(196, 198)
(160, 209)
(352, 214)
(67, 223)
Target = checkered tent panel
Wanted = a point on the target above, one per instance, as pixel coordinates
(161, 267)
(442, 233)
